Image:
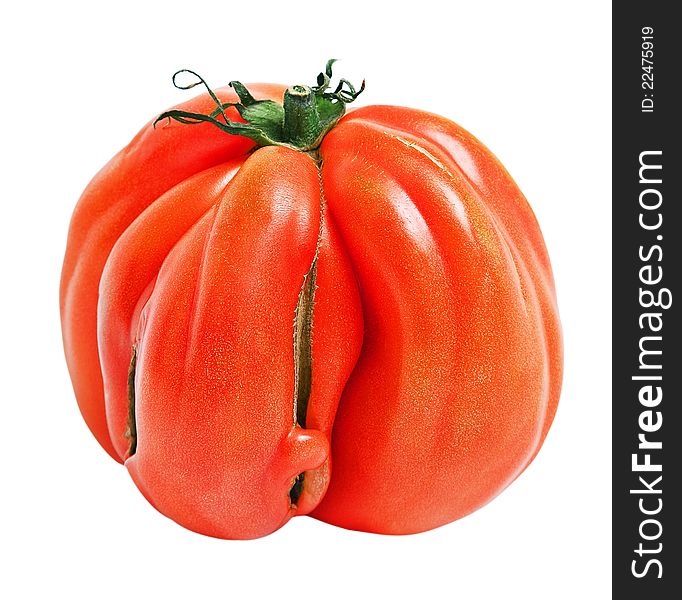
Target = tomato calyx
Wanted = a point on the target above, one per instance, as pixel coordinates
(306, 115)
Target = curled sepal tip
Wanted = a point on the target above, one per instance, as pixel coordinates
(301, 122)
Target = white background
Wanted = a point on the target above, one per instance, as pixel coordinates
(530, 79)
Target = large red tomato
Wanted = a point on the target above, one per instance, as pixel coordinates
(283, 310)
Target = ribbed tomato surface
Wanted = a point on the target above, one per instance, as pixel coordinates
(372, 324)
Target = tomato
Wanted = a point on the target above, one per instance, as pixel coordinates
(284, 309)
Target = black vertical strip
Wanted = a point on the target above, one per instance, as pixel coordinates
(647, 297)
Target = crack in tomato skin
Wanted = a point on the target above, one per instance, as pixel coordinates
(131, 428)
(303, 324)
(296, 489)
(303, 333)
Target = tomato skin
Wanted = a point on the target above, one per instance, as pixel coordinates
(129, 278)
(461, 353)
(436, 344)
(112, 200)
(239, 267)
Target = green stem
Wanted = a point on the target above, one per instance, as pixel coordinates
(306, 116)
(301, 119)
